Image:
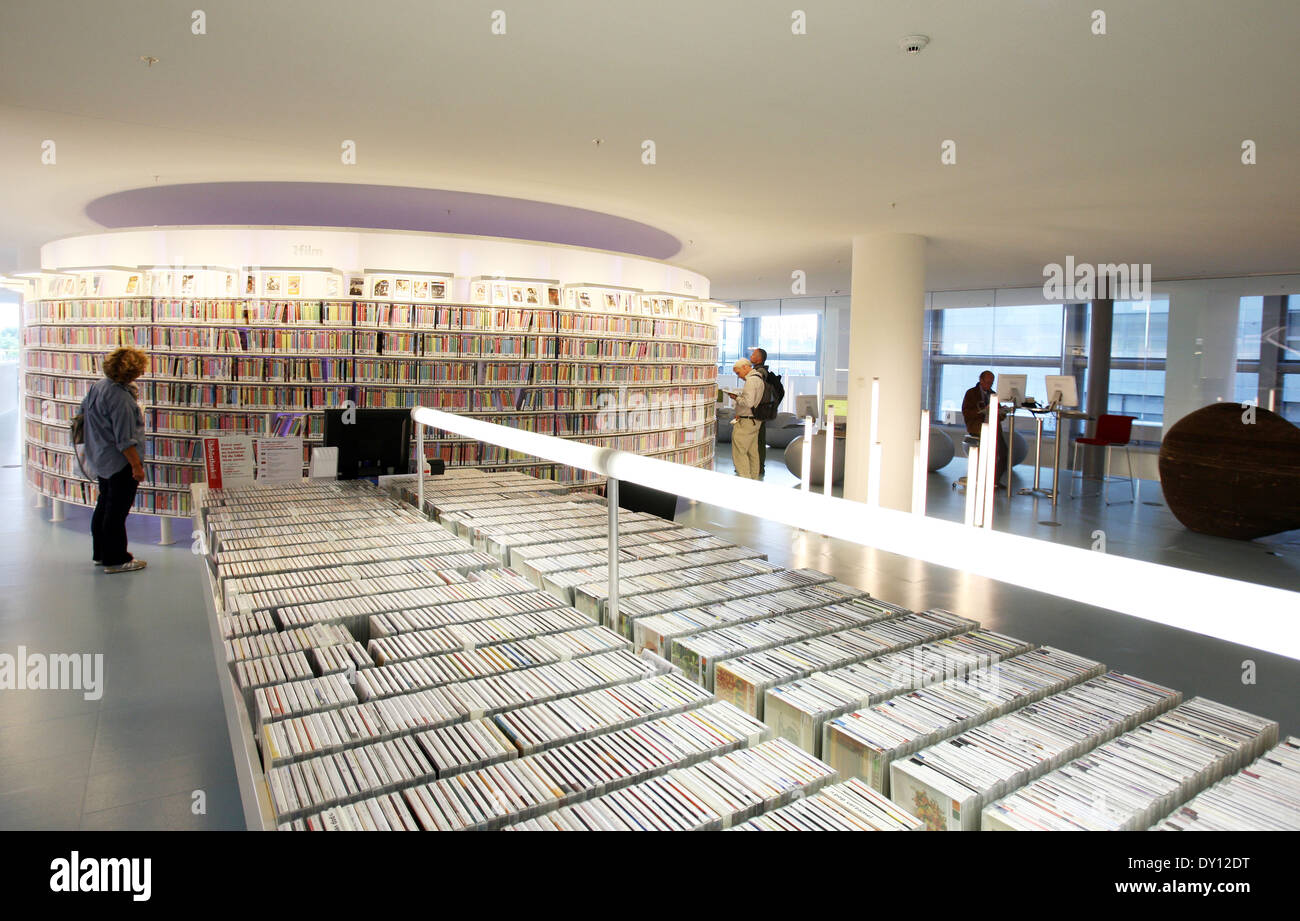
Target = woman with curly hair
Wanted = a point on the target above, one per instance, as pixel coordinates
(114, 431)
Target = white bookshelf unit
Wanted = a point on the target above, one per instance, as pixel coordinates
(262, 348)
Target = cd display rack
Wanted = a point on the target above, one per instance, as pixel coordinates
(614, 368)
(954, 715)
(382, 670)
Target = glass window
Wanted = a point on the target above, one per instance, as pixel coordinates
(1249, 324)
(967, 331)
(789, 334)
(1032, 330)
(9, 339)
(1139, 332)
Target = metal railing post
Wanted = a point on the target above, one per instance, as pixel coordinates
(611, 498)
(419, 460)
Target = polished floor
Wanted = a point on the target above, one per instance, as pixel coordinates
(135, 758)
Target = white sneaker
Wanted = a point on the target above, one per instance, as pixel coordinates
(132, 566)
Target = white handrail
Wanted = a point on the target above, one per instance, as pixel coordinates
(1259, 616)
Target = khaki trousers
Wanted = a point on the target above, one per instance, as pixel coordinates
(744, 447)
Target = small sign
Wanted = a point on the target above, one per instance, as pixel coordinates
(279, 460)
(228, 460)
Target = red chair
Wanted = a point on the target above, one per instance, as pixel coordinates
(1112, 432)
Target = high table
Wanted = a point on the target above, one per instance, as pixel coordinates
(1039, 414)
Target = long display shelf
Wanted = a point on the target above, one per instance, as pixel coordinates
(387, 673)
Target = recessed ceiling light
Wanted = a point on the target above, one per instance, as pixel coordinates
(913, 44)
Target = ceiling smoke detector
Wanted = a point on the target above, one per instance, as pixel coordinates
(913, 44)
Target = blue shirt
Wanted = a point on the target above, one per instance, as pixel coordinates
(113, 424)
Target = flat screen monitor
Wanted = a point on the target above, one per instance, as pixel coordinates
(637, 498)
(805, 404)
(371, 442)
(1062, 390)
(1011, 388)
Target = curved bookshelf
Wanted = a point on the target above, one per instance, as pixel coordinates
(640, 375)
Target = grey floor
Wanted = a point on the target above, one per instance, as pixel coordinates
(132, 759)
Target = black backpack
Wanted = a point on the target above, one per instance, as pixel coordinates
(773, 394)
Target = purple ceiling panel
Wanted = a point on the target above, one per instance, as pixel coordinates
(378, 207)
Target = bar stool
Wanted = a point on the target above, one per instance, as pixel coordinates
(967, 442)
(1112, 432)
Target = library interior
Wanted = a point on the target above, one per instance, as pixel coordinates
(491, 456)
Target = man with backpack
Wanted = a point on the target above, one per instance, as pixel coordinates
(767, 407)
(758, 358)
(744, 431)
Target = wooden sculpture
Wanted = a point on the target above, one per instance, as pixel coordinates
(1228, 476)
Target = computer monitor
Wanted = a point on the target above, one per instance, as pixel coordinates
(1062, 390)
(805, 404)
(1011, 388)
(637, 498)
(371, 442)
(840, 405)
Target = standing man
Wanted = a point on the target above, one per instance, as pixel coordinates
(974, 409)
(744, 431)
(114, 432)
(758, 358)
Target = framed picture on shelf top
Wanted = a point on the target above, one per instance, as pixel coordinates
(552, 296)
(230, 284)
(332, 285)
(381, 287)
(439, 288)
(250, 284)
(187, 284)
(420, 290)
(500, 294)
(402, 288)
(478, 292)
(356, 286)
(133, 284)
(293, 285)
(532, 295)
(81, 286)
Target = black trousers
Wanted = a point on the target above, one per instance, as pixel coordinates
(762, 449)
(108, 523)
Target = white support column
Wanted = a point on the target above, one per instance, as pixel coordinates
(887, 336)
(988, 463)
(165, 531)
(805, 481)
(921, 467)
(38, 501)
(874, 452)
(56, 510)
(972, 485)
(828, 465)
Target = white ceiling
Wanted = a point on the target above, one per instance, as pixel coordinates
(773, 149)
